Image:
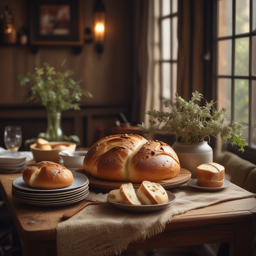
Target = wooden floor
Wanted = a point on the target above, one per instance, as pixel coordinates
(10, 244)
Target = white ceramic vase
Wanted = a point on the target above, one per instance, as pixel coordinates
(192, 155)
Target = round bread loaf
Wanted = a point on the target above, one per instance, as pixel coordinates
(210, 175)
(132, 158)
(48, 175)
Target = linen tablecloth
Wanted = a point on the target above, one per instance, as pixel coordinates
(104, 230)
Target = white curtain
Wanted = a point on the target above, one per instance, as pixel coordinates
(146, 86)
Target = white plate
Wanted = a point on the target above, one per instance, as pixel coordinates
(143, 208)
(52, 204)
(50, 195)
(13, 165)
(51, 199)
(45, 196)
(193, 183)
(79, 181)
(13, 170)
(7, 160)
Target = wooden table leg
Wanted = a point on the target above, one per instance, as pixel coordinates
(243, 244)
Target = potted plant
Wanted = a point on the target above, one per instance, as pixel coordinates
(57, 92)
(193, 124)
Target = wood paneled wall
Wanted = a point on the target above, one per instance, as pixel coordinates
(107, 76)
(89, 123)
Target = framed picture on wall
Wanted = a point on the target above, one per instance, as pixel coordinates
(56, 22)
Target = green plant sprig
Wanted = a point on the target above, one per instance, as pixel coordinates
(56, 91)
(193, 124)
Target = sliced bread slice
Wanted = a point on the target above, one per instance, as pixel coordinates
(128, 193)
(116, 196)
(210, 175)
(151, 193)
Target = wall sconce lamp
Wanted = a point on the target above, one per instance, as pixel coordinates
(99, 25)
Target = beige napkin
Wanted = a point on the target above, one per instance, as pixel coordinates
(104, 230)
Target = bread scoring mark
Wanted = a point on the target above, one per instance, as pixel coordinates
(213, 166)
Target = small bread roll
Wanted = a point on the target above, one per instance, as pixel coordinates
(43, 144)
(210, 175)
(128, 194)
(151, 193)
(60, 147)
(48, 175)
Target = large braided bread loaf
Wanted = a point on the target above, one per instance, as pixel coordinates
(132, 158)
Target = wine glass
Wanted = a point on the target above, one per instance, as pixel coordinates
(12, 137)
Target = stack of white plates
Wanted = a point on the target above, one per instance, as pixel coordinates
(74, 193)
(12, 164)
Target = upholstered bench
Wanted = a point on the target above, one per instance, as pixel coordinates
(237, 170)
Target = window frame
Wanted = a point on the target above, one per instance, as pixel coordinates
(171, 60)
(250, 150)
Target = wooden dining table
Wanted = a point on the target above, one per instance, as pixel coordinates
(227, 222)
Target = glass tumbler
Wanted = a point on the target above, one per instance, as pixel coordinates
(12, 137)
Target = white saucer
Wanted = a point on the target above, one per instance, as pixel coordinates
(193, 183)
(143, 208)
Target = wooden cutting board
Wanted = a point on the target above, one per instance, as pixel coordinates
(100, 185)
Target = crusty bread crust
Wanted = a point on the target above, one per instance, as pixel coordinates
(132, 158)
(48, 175)
(210, 175)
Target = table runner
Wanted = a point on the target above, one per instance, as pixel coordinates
(104, 230)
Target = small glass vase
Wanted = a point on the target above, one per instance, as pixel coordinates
(54, 131)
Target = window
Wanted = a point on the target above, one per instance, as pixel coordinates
(236, 63)
(169, 49)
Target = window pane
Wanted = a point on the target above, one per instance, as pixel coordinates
(166, 39)
(166, 7)
(174, 38)
(224, 96)
(224, 57)
(254, 113)
(242, 105)
(242, 56)
(174, 6)
(225, 18)
(254, 55)
(242, 16)
(174, 80)
(254, 15)
(166, 80)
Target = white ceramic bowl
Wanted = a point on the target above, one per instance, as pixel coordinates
(53, 154)
(73, 159)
